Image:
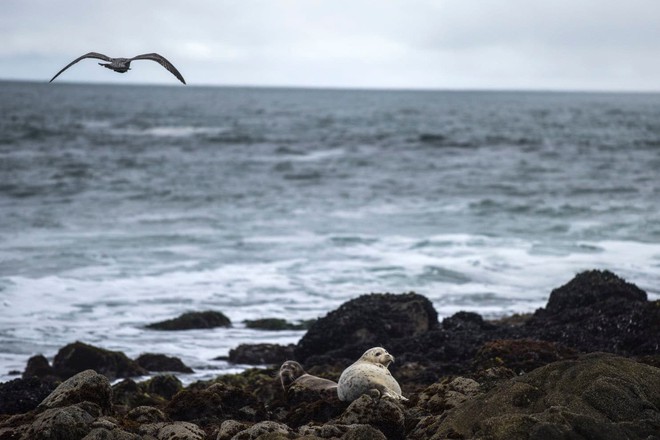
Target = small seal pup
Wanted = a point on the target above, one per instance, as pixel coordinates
(298, 384)
(369, 375)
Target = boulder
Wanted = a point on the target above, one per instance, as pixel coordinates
(131, 394)
(63, 423)
(365, 322)
(446, 394)
(385, 414)
(77, 357)
(260, 354)
(173, 431)
(163, 385)
(110, 434)
(193, 320)
(146, 414)
(260, 429)
(161, 362)
(592, 287)
(598, 311)
(520, 355)
(38, 366)
(595, 396)
(23, 395)
(275, 324)
(213, 404)
(87, 386)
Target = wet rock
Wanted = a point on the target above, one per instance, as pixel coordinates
(385, 414)
(173, 431)
(146, 414)
(598, 311)
(77, 357)
(447, 394)
(520, 355)
(160, 362)
(110, 434)
(262, 429)
(367, 321)
(319, 411)
(213, 405)
(343, 432)
(193, 320)
(466, 321)
(163, 385)
(87, 386)
(131, 394)
(260, 354)
(591, 287)
(229, 429)
(276, 324)
(23, 395)
(70, 422)
(38, 366)
(598, 396)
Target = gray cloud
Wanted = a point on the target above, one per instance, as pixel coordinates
(560, 44)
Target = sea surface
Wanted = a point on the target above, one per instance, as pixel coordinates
(125, 205)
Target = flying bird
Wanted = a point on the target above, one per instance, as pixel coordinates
(122, 65)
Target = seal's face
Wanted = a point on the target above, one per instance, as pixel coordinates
(289, 372)
(378, 355)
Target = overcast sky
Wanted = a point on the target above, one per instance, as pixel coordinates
(443, 44)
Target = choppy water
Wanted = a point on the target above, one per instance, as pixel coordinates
(124, 205)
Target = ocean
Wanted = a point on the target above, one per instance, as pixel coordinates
(126, 205)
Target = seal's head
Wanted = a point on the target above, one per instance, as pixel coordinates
(377, 355)
(289, 372)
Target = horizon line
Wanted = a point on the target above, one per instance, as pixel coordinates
(346, 88)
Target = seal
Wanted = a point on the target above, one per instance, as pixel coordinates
(299, 385)
(369, 375)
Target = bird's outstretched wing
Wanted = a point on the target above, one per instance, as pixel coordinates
(162, 61)
(96, 55)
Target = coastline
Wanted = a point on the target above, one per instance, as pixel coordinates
(597, 326)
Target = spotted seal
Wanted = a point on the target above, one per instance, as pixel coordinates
(369, 375)
(297, 384)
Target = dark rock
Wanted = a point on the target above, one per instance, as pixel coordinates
(229, 429)
(596, 396)
(77, 357)
(23, 395)
(591, 287)
(70, 422)
(367, 321)
(339, 431)
(164, 385)
(387, 415)
(193, 320)
(131, 394)
(446, 394)
(263, 430)
(260, 354)
(319, 411)
(598, 311)
(276, 324)
(160, 362)
(87, 386)
(146, 414)
(466, 321)
(520, 355)
(38, 366)
(213, 404)
(172, 431)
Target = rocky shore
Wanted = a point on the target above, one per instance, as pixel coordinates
(586, 366)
